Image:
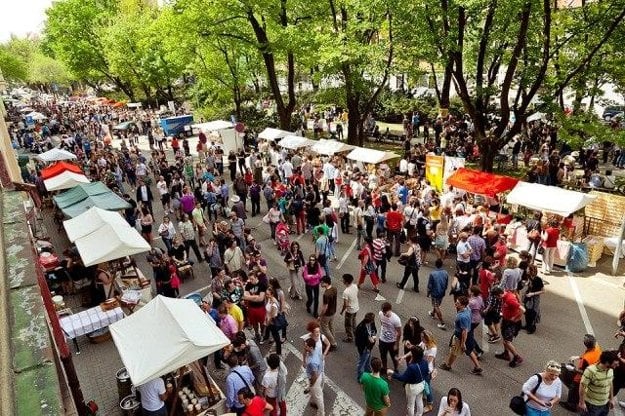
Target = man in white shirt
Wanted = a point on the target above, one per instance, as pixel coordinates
(153, 396)
(163, 191)
(350, 306)
(390, 334)
(287, 169)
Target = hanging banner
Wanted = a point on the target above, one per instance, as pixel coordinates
(451, 165)
(434, 171)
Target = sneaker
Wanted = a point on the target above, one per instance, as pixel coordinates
(494, 340)
(477, 371)
(431, 313)
(503, 356)
(445, 367)
(442, 326)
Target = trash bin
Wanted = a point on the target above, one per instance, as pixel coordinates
(124, 385)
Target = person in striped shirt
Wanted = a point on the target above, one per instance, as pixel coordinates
(596, 396)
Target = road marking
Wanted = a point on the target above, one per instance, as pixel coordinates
(580, 305)
(400, 296)
(346, 255)
(343, 404)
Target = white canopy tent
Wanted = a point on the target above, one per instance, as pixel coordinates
(163, 336)
(110, 242)
(55, 154)
(90, 221)
(372, 156)
(295, 142)
(65, 180)
(213, 126)
(548, 198)
(330, 147)
(223, 132)
(273, 134)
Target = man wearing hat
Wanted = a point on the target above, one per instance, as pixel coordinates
(238, 207)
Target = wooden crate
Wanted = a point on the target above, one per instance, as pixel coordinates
(604, 215)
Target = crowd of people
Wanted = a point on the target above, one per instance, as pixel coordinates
(393, 213)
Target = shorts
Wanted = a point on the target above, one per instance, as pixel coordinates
(256, 315)
(424, 243)
(436, 302)
(165, 199)
(492, 318)
(456, 348)
(510, 329)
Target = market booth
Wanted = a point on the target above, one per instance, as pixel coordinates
(370, 156)
(295, 142)
(272, 134)
(550, 200)
(481, 183)
(86, 195)
(55, 154)
(168, 338)
(58, 168)
(330, 147)
(65, 180)
(223, 132)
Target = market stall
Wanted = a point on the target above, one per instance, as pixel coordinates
(55, 154)
(330, 147)
(65, 180)
(167, 337)
(370, 156)
(84, 196)
(603, 222)
(110, 242)
(90, 221)
(223, 132)
(481, 183)
(551, 201)
(272, 134)
(295, 142)
(58, 168)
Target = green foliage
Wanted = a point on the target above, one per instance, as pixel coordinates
(13, 68)
(23, 60)
(585, 128)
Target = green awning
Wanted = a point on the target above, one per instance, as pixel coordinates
(85, 196)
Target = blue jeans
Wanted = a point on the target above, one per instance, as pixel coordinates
(596, 410)
(364, 363)
(530, 411)
(430, 397)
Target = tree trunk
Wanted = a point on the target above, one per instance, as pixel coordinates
(487, 154)
(355, 130)
(443, 101)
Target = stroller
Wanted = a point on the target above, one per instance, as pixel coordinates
(282, 237)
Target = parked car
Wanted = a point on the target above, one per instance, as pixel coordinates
(611, 111)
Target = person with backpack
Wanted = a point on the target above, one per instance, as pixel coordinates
(543, 390)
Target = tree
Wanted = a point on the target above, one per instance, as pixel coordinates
(74, 33)
(479, 39)
(358, 44)
(13, 68)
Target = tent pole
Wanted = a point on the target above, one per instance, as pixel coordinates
(617, 251)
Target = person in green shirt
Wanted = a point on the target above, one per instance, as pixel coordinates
(596, 396)
(376, 390)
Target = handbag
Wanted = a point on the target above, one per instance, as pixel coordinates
(533, 234)
(280, 321)
(518, 404)
(403, 260)
(426, 385)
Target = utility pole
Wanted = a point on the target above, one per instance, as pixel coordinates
(9, 169)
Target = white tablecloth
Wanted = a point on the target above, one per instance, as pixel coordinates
(85, 322)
